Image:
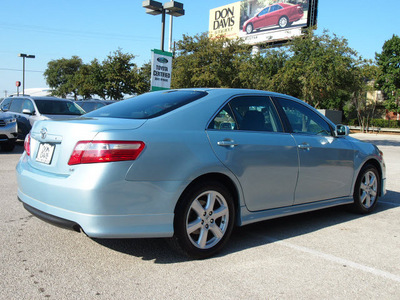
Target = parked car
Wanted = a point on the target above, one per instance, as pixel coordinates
(281, 14)
(8, 131)
(93, 104)
(28, 110)
(159, 165)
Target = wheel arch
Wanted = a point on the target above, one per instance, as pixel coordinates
(378, 166)
(217, 177)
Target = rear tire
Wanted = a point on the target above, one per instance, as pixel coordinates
(283, 22)
(366, 190)
(204, 219)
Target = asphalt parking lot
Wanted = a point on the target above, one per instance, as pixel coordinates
(329, 254)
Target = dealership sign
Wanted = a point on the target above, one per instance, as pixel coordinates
(261, 22)
(161, 70)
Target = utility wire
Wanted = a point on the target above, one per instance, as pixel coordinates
(8, 69)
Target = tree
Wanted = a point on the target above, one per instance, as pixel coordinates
(389, 78)
(320, 70)
(258, 71)
(204, 62)
(143, 82)
(60, 75)
(116, 76)
(363, 86)
(120, 75)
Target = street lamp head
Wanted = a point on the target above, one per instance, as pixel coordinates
(153, 5)
(26, 55)
(173, 5)
(176, 13)
(153, 12)
(174, 8)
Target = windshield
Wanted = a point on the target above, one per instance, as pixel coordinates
(58, 107)
(149, 105)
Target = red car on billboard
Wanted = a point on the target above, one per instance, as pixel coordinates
(282, 14)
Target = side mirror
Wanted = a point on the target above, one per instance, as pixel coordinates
(3, 108)
(27, 111)
(342, 130)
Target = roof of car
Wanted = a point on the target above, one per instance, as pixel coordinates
(41, 98)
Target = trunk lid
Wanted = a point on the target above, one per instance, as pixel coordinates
(52, 141)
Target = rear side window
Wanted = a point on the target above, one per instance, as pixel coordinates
(149, 105)
(58, 107)
(248, 113)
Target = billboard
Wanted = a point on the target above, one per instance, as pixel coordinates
(263, 21)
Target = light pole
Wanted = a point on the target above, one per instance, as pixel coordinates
(23, 55)
(172, 8)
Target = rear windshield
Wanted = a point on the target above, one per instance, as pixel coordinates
(58, 107)
(148, 105)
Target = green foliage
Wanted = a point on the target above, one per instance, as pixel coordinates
(381, 123)
(119, 75)
(61, 75)
(258, 71)
(389, 78)
(363, 86)
(116, 76)
(204, 62)
(321, 70)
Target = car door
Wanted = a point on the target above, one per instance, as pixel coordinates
(326, 162)
(274, 14)
(262, 19)
(256, 150)
(23, 125)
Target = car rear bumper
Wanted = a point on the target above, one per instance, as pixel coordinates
(102, 226)
(59, 222)
(114, 209)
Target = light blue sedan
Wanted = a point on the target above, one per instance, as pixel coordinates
(164, 164)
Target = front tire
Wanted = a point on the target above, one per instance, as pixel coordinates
(204, 219)
(249, 28)
(366, 190)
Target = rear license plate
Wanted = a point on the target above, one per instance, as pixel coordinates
(45, 153)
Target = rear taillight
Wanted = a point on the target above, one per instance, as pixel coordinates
(27, 144)
(87, 152)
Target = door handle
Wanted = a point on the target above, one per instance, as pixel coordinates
(227, 143)
(304, 146)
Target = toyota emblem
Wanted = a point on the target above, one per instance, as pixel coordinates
(43, 133)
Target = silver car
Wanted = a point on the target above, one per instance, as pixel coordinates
(8, 131)
(160, 165)
(27, 110)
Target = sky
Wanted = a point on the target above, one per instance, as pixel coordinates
(90, 29)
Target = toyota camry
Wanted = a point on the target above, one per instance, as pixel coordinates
(191, 164)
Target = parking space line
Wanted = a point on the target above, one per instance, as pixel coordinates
(337, 260)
